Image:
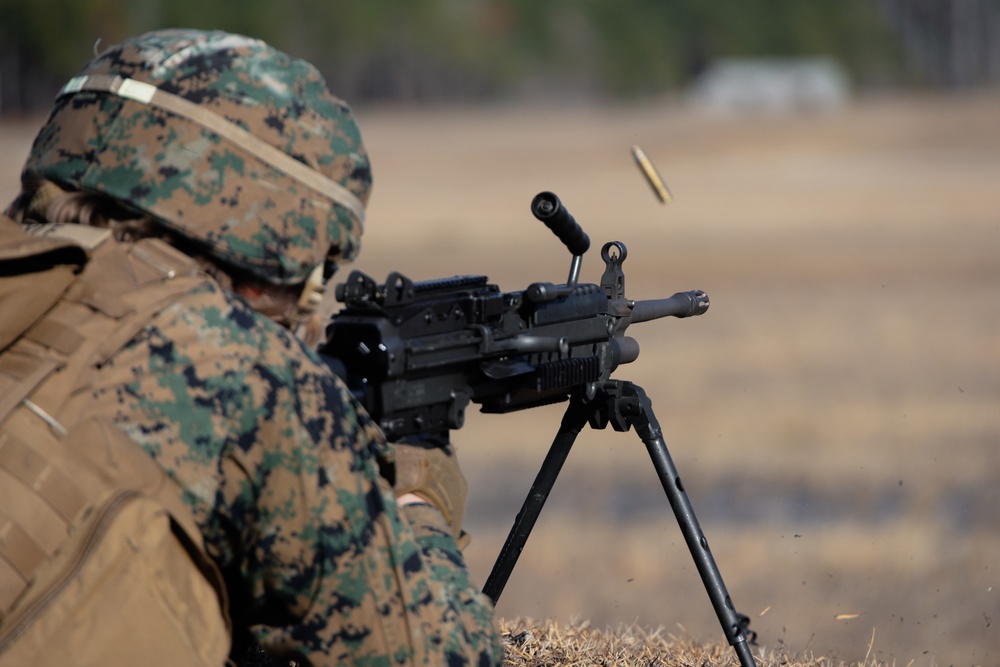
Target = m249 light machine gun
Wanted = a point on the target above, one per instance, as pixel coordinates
(416, 354)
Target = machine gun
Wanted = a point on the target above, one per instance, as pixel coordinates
(416, 354)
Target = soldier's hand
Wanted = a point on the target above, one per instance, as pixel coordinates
(428, 468)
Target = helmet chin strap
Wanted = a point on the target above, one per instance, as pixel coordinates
(312, 294)
(301, 322)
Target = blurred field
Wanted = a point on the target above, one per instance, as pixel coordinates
(834, 415)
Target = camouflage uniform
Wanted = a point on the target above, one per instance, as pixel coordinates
(275, 459)
(278, 466)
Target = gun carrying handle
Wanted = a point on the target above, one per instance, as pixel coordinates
(547, 208)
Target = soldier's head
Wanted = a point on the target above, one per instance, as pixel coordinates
(219, 140)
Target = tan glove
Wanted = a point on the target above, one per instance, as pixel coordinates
(429, 468)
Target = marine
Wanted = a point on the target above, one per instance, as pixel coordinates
(182, 479)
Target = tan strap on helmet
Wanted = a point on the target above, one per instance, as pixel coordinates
(145, 93)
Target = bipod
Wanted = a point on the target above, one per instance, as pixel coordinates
(623, 405)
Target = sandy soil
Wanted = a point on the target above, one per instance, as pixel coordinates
(834, 414)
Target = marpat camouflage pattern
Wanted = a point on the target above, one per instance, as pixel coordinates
(279, 468)
(195, 182)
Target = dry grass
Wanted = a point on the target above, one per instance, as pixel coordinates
(530, 643)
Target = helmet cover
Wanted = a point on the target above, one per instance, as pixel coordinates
(228, 142)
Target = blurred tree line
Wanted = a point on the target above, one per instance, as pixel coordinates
(418, 51)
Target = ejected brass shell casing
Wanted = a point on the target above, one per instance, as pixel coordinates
(653, 177)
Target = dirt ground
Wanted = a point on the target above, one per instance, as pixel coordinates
(835, 413)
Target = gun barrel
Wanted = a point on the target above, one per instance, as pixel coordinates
(682, 304)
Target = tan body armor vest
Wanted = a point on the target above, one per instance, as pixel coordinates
(101, 562)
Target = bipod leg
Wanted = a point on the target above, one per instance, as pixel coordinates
(635, 406)
(573, 421)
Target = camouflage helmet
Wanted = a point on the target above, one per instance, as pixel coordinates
(221, 139)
